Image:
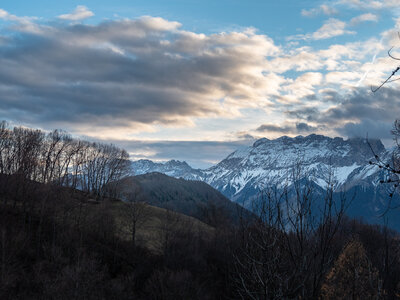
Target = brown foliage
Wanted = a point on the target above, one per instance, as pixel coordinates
(352, 276)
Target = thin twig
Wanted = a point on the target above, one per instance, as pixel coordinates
(386, 81)
(392, 55)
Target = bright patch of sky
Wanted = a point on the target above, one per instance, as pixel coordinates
(148, 74)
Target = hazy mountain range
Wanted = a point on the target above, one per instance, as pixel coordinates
(243, 174)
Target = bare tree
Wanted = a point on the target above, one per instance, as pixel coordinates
(288, 251)
(391, 165)
(56, 158)
(135, 211)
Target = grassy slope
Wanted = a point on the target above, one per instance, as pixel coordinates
(73, 207)
(155, 223)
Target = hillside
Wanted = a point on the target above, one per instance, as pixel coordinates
(154, 223)
(192, 198)
(68, 206)
(61, 243)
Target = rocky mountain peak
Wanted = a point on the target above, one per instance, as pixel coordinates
(268, 161)
(177, 163)
(260, 142)
(174, 168)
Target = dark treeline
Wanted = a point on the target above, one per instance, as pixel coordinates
(55, 243)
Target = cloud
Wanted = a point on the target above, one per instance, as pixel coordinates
(355, 114)
(244, 135)
(302, 59)
(370, 4)
(24, 24)
(287, 128)
(275, 128)
(324, 9)
(345, 77)
(362, 104)
(309, 113)
(80, 13)
(304, 84)
(367, 128)
(349, 57)
(369, 17)
(136, 78)
(304, 127)
(131, 74)
(198, 154)
(331, 28)
(361, 112)
(5, 15)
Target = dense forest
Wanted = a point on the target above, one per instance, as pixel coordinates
(65, 234)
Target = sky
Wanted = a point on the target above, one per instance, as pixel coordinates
(195, 80)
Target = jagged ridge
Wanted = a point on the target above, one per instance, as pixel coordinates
(245, 172)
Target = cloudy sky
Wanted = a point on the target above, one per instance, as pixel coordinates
(194, 80)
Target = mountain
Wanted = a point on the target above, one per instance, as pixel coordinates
(243, 174)
(174, 168)
(249, 170)
(193, 198)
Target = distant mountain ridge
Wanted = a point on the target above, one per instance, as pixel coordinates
(247, 171)
(173, 168)
(267, 162)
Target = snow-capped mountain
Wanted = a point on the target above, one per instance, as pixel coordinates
(243, 174)
(271, 162)
(173, 168)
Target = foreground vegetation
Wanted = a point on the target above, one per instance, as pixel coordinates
(69, 247)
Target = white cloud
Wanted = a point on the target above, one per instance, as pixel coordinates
(80, 13)
(304, 85)
(344, 78)
(370, 4)
(368, 17)
(331, 28)
(25, 24)
(324, 9)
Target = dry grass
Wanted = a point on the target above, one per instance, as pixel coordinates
(155, 225)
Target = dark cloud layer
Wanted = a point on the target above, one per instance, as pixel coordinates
(363, 113)
(367, 128)
(289, 128)
(357, 114)
(144, 71)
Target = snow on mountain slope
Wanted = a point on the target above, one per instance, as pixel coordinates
(270, 162)
(173, 168)
(245, 172)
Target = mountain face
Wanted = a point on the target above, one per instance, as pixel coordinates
(243, 174)
(323, 160)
